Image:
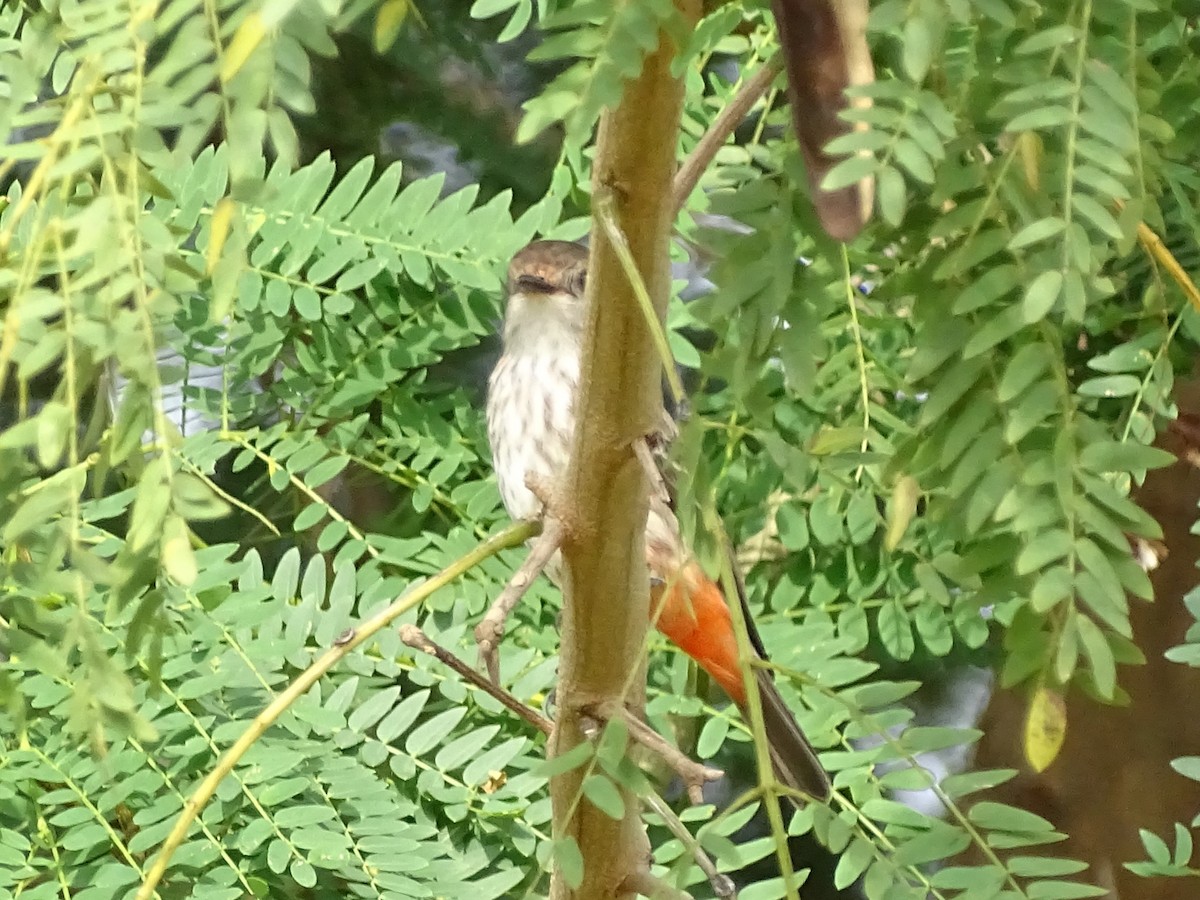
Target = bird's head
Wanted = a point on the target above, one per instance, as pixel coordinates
(546, 282)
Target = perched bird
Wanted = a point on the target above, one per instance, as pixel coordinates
(531, 420)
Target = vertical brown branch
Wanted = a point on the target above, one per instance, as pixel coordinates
(605, 615)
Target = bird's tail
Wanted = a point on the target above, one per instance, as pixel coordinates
(692, 612)
(794, 760)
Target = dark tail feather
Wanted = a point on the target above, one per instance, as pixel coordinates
(795, 761)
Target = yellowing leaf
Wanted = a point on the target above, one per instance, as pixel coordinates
(1029, 149)
(835, 440)
(177, 557)
(53, 428)
(901, 508)
(1045, 728)
(388, 22)
(222, 220)
(245, 40)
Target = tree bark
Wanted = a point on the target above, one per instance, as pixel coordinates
(605, 495)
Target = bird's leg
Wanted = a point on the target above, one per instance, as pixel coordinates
(645, 456)
(643, 883)
(491, 628)
(693, 774)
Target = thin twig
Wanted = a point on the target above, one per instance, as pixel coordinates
(605, 214)
(693, 774)
(345, 642)
(722, 127)
(419, 640)
(491, 629)
(722, 885)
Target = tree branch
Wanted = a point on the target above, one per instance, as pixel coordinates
(694, 774)
(605, 494)
(718, 133)
(417, 639)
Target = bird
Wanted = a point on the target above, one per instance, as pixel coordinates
(531, 409)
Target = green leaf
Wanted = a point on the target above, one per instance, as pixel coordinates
(918, 47)
(1038, 404)
(54, 425)
(892, 195)
(793, 526)
(565, 762)
(1110, 386)
(150, 504)
(999, 817)
(910, 155)
(853, 862)
(1000, 327)
(612, 745)
(1044, 866)
(712, 737)
(895, 631)
(933, 626)
(429, 734)
(1064, 890)
(971, 782)
(979, 881)
(485, 9)
(1183, 846)
(1099, 655)
(1052, 587)
(1036, 232)
(1156, 847)
(1056, 37)
(1043, 549)
(1024, 368)
(492, 760)
(1088, 207)
(892, 812)
(1187, 766)
(911, 778)
(373, 709)
(1040, 296)
(42, 501)
(922, 739)
(1039, 119)
(462, 748)
(940, 842)
(604, 795)
(1123, 456)
(568, 860)
(849, 171)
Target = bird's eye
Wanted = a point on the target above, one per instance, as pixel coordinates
(534, 284)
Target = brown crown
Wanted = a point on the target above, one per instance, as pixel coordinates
(548, 267)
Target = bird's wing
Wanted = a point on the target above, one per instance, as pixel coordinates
(664, 498)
